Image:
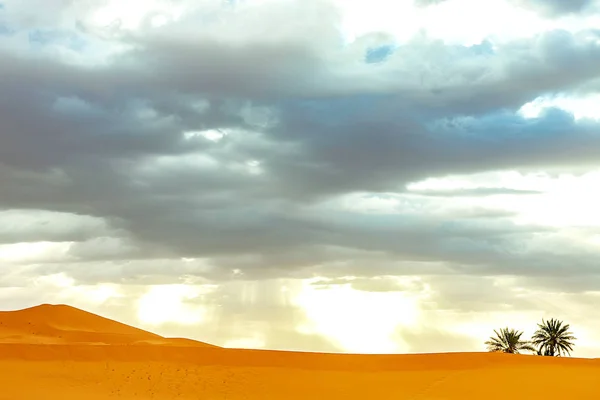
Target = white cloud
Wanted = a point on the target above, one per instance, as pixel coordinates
(583, 107)
(212, 135)
(555, 200)
(31, 252)
(466, 22)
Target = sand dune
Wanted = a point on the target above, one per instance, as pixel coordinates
(62, 324)
(59, 352)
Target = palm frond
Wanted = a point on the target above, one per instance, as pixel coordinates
(508, 341)
(553, 338)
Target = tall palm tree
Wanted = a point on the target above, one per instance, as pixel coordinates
(508, 341)
(553, 338)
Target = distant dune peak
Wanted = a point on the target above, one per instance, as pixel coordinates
(61, 323)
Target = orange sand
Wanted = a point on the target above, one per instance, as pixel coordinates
(59, 352)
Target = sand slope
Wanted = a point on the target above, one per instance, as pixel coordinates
(62, 324)
(58, 352)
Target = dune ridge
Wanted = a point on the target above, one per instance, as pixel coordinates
(63, 324)
(58, 351)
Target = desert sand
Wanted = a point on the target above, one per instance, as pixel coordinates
(60, 352)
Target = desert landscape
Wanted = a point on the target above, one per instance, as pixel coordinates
(61, 352)
(299, 199)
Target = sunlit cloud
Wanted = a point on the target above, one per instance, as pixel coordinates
(167, 303)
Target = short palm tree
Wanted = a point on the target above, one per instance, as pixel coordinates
(553, 338)
(508, 341)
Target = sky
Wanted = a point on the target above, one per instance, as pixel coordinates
(382, 176)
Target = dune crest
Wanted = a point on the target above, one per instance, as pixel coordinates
(61, 352)
(63, 324)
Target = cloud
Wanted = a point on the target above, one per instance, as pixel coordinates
(253, 142)
(373, 284)
(547, 8)
(18, 226)
(480, 191)
(425, 3)
(554, 8)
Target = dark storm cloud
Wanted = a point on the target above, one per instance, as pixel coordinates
(305, 120)
(27, 226)
(356, 148)
(425, 73)
(161, 66)
(366, 250)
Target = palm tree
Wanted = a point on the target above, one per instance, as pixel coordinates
(508, 341)
(553, 338)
